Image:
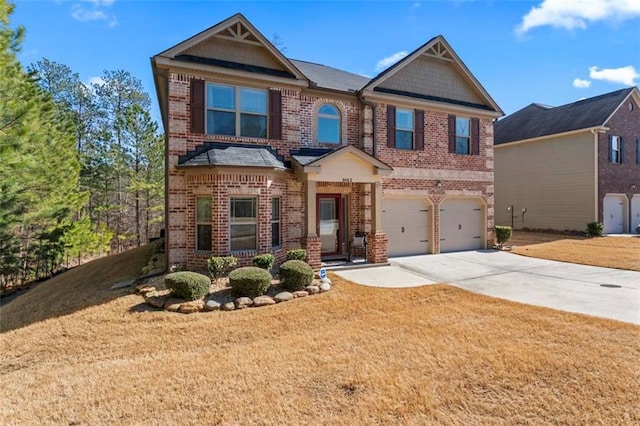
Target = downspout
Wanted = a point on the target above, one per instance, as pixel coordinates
(373, 124)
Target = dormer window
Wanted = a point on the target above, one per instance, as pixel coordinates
(236, 111)
(328, 124)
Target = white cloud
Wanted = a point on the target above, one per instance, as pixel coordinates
(95, 12)
(624, 75)
(390, 60)
(581, 84)
(572, 14)
(81, 14)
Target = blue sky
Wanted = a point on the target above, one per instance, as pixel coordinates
(547, 51)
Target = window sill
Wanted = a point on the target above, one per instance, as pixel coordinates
(202, 253)
(244, 253)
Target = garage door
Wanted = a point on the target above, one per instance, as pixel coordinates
(461, 224)
(613, 212)
(635, 212)
(406, 222)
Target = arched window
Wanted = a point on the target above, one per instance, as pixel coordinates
(328, 124)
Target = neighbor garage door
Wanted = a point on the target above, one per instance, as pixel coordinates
(613, 213)
(461, 224)
(635, 212)
(406, 222)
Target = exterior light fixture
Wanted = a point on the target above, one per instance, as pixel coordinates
(438, 184)
(633, 186)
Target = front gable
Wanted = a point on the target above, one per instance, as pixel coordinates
(234, 44)
(434, 72)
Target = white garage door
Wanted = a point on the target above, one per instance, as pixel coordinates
(635, 212)
(406, 222)
(461, 224)
(613, 213)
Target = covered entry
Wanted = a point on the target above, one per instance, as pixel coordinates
(461, 224)
(407, 222)
(614, 213)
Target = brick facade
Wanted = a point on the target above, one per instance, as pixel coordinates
(619, 178)
(431, 173)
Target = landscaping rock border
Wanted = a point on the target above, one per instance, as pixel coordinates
(220, 297)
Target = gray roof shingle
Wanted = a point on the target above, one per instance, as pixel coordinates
(225, 154)
(331, 78)
(306, 156)
(538, 120)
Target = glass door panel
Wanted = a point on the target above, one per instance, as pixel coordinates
(329, 224)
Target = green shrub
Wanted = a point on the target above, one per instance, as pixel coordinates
(595, 229)
(264, 261)
(638, 229)
(250, 281)
(188, 285)
(297, 254)
(503, 233)
(220, 266)
(295, 275)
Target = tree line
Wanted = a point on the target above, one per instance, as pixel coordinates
(81, 164)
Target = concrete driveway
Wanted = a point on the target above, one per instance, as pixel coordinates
(602, 292)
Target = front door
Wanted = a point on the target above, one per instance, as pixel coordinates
(330, 224)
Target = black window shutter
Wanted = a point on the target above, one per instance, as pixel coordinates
(475, 136)
(452, 132)
(275, 114)
(391, 126)
(637, 151)
(197, 105)
(621, 147)
(419, 129)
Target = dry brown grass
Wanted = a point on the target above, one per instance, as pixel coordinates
(79, 288)
(354, 355)
(610, 252)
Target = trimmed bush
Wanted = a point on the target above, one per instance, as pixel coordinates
(264, 261)
(250, 281)
(638, 229)
(295, 275)
(188, 285)
(297, 254)
(595, 229)
(220, 266)
(503, 233)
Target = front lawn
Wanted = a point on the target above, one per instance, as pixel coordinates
(610, 252)
(355, 355)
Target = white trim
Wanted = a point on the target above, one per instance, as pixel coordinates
(190, 67)
(597, 129)
(407, 102)
(456, 59)
(634, 93)
(222, 26)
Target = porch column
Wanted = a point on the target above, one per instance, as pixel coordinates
(311, 208)
(312, 241)
(377, 239)
(376, 207)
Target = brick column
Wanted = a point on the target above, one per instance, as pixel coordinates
(377, 247)
(312, 244)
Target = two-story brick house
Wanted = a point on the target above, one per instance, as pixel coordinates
(267, 154)
(563, 167)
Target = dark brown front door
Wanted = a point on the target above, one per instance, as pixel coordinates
(330, 223)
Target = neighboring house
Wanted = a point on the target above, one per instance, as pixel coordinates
(562, 167)
(267, 154)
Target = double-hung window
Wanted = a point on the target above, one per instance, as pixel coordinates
(404, 129)
(275, 222)
(243, 223)
(463, 135)
(236, 111)
(616, 158)
(203, 223)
